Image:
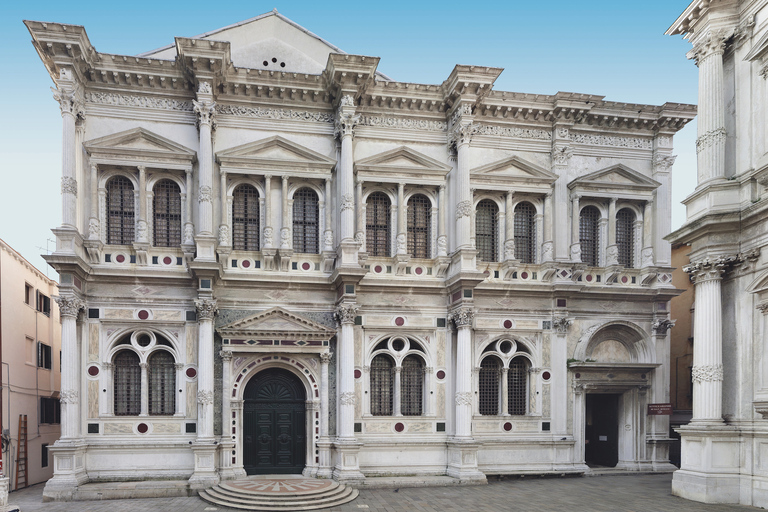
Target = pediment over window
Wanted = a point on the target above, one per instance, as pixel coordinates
(139, 146)
(275, 154)
(617, 179)
(759, 285)
(512, 173)
(401, 163)
(275, 325)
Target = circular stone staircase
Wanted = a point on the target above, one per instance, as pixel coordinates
(279, 492)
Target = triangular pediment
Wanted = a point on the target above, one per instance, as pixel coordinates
(615, 177)
(516, 168)
(279, 322)
(141, 144)
(402, 159)
(274, 152)
(759, 285)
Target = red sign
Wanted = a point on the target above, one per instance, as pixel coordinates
(659, 409)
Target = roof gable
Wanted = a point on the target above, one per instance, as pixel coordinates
(139, 146)
(274, 153)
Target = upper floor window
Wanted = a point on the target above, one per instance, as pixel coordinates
(382, 385)
(127, 383)
(43, 303)
(589, 235)
(306, 225)
(377, 224)
(525, 232)
(486, 230)
(419, 226)
(245, 218)
(166, 208)
(120, 211)
(504, 379)
(162, 383)
(625, 237)
(490, 374)
(44, 356)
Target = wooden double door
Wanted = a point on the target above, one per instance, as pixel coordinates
(274, 424)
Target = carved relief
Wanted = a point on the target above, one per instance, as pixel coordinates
(206, 309)
(463, 398)
(328, 238)
(345, 313)
(204, 195)
(612, 255)
(347, 202)
(69, 306)
(547, 251)
(463, 209)
(69, 396)
(647, 257)
(462, 316)
(205, 397)
(68, 185)
(269, 236)
(204, 88)
(275, 113)
(663, 163)
(285, 238)
(127, 100)
(224, 234)
(607, 140)
(576, 252)
(347, 398)
(442, 245)
(401, 242)
(509, 249)
(708, 139)
(404, 123)
(516, 133)
(707, 373)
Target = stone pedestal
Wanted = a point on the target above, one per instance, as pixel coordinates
(462, 461)
(205, 474)
(347, 468)
(69, 471)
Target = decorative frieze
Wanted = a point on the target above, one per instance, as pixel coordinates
(609, 140)
(128, 100)
(403, 123)
(513, 132)
(276, 113)
(707, 373)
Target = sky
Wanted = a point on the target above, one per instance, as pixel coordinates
(612, 48)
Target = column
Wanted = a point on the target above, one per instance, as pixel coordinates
(662, 172)
(328, 235)
(226, 391)
(94, 230)
(205, 108)
(429, 400)
(397, 398)
(442, 239)
(547, 248)
(559, 381)
(463, 317)
(707, 370)
(206, 310)
(345, 315)
(142, 231)
(575, 224)
(647, 254)
(611, 251)
(325, 358)
(269, 234)
(360, 220)
(402, 237)
(285, 232)
(67, 95)
(181, 402)
(504, 392)
(107, 399)
(144, 389)
(463, 136)
(562, 152)
(509, 227)
(346, 120)
(224, 224)
(69, 308)
(189, 229)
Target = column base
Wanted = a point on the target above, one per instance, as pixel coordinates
(226, 470)
(68, 471)
(325, 469)
(346, 254)
(347, 470)
(462, 461)
(205, 474)
(464, 259)
(284, 257)
(206, 248)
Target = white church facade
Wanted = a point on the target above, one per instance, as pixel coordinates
(276, 259)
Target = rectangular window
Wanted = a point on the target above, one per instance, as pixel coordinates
(44, 456)
(50, 410)
(28, 293)
(44, 356)
(43, 304)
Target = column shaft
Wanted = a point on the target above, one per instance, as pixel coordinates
(575, 224)
(708, 352)
(547, 249)
(463, 196)
(612, 252)
(442, 240)
(69, 170)
(324, 360)
(346, 370)
(710, 142)
(286, 241)
(144, 390)
(464, 381)
(360, 229)
(188, 226)
(142, 235)
(328, 235)
(205, 181)
(402, 237)
(69, 308)
(93, 222)
(206, 310)
(224, 223)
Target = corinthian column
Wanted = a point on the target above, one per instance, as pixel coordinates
(67, 94)
(708, 332)
(69, 308)
(206, 310)
(346, 120)
(345, 315)
(575, 221)
(463, 132)
(205, 109)
(463, 317)
(612, 251)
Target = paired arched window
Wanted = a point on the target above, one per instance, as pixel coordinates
(306, 225)
(419, 226)
(589, 235)
(161, 373)
(127, 383)
(166, 208)
(503, 379)
(120, 211)
(245, 218)
(625, 237)
(525, 232)
(397, 378)
(382, 385)
(486, 230)
(377, 224)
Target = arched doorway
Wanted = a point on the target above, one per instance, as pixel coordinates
(274, 431)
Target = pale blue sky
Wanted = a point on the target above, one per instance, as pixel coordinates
(613, 48)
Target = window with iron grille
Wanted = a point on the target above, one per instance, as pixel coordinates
(377, 224)
(127, 384)
(161, 373)
(525, 232)
(486, 230)
(166, 208)
(419, 226)
(517, 386)
(490, 378)
(412, 386)
(589, 235)
(382, 385)
(306, 212)
(625, 237)
(120, 211)
(245, 218)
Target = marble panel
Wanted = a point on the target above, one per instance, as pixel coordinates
(166, 428)
(118, 428)
(93, 399)
(118, 314)
(93, 341)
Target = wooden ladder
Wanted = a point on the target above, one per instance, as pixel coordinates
(21, 453)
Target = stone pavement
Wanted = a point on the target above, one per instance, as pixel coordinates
(631, 493)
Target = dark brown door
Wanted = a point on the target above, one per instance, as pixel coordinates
(274, 438)
(601, 436)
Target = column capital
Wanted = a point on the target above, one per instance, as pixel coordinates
(346, 118)
(325, 357)
(462, 133)
(143, 365)
(562, 324)
(660, 327)
(226, 355)
(712, 43)
(346, 313)
(663, 163)
(206, 309)
(462, 316)
(562, 155)
(69, 306)
(708, 269)
(204, 106)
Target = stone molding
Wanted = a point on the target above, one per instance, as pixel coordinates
(69, 306)
(346, 313)
(206, 309)
(707, 373)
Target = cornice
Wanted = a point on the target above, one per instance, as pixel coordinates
(21, 259)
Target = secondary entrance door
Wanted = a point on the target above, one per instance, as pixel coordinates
(601, 435)
(274, 437)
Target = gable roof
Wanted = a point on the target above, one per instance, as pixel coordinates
(139, 146)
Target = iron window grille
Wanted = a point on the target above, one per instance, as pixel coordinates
(377, 224)
(127, 384)
(412, 386)
(486, 230)
(382, 385)
(490, 377)
(517, 387)
(625, 237)
(589, 234)
(161, 373)
(245, 218)
(419, 226)
(120, 211)
(306, 227)
(525, 232)
(166, 208)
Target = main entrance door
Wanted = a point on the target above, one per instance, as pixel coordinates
(601, 435)
(274, 437)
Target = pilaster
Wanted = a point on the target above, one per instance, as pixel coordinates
(204, 107)
(346, 121)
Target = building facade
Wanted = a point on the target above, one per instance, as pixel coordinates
(30, 344)
(275, 258)
(724, 446)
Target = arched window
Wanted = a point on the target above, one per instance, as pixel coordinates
(589, 235)
(382, 385)
(377, 224)
(625, 237)
(525, 232)
(517, 386)
(486, 230)
(306, 212)
(161, 373)
(419, 226)
(245, 218)
(127, 384)
(412, 386)
(166, 208)
(490, 378)
(120, 208)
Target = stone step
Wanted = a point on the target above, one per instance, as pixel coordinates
(253, 487)
(227, 493)
(346, 496)
(132, 489)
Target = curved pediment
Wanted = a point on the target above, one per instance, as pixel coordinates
(612, 179)
(512, 172)
(139, 146)
(401, 162)
(274, 154)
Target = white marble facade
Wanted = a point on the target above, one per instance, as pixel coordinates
(469, 233)
(724, 447)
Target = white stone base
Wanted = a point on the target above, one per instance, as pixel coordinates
(347, 469)
(68, 471)
(462, 462)
(205, 474)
